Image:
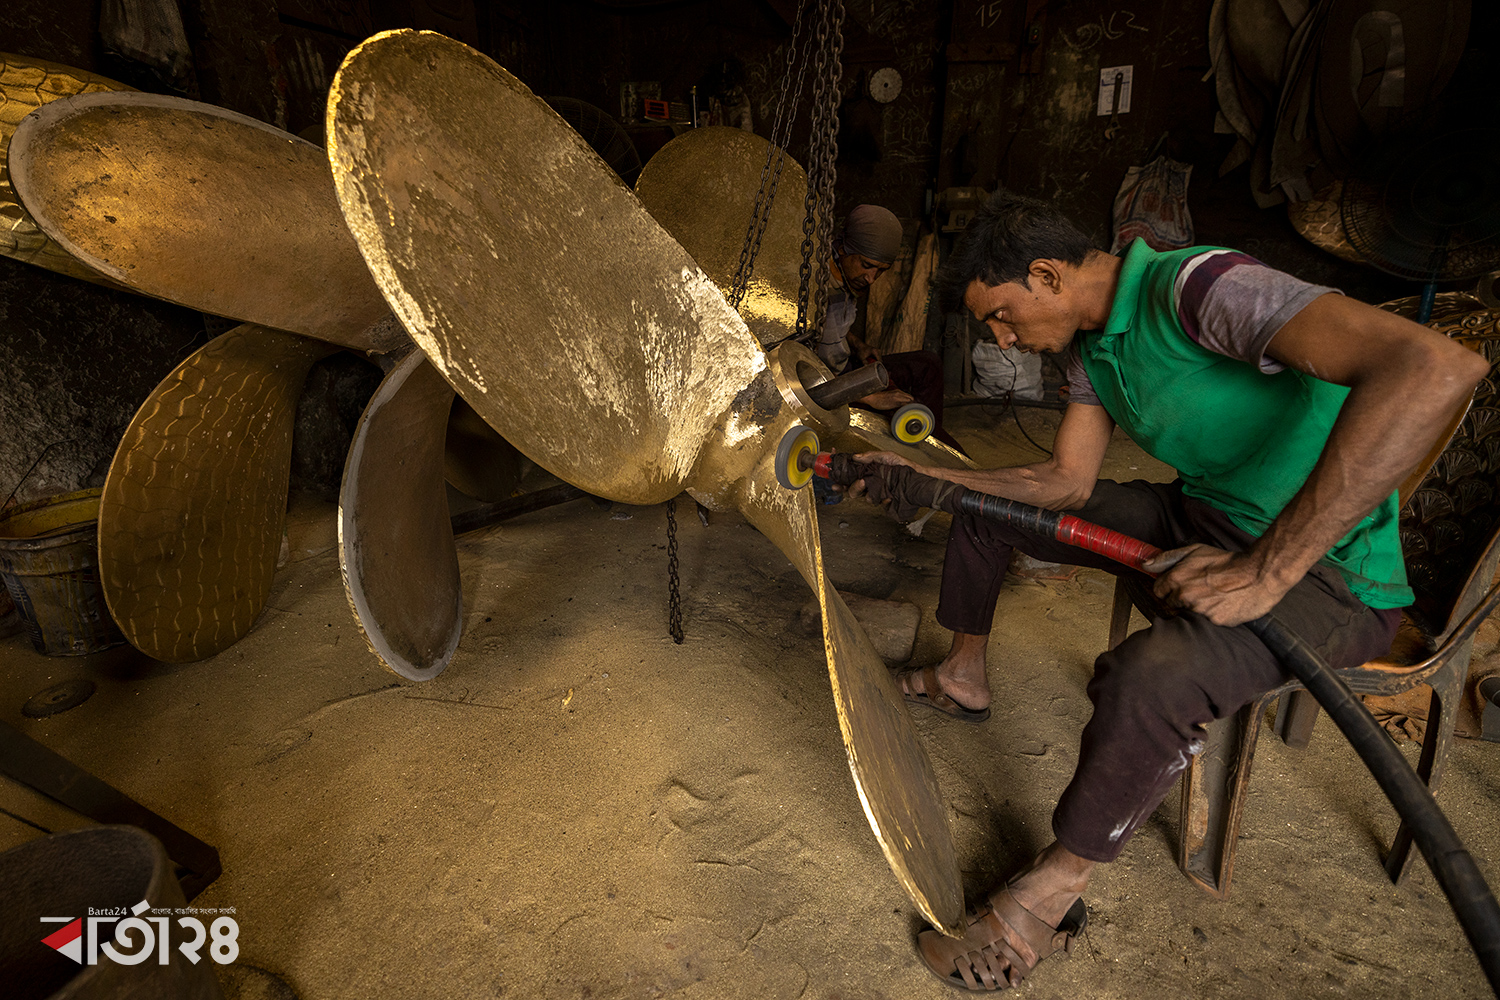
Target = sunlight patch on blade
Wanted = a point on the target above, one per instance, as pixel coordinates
(190, 523)
(892, 773)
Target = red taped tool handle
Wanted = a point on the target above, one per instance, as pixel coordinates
(1105, 541)
(822, 464)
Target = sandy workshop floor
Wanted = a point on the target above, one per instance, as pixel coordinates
(579, 808)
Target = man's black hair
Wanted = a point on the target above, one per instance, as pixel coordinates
(1002, 239)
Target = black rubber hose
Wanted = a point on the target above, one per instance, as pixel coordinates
(1450, 861)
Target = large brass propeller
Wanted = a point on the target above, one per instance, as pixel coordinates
(547, 296)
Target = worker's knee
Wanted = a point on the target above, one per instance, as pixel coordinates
(1154, 676)
(1184, 672)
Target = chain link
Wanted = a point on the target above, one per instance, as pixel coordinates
(674, 596)
(822, 49)
(765, 195)
(817, 221)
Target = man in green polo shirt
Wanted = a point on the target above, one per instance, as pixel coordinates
(1290, 412)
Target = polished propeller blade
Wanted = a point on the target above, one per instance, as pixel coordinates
(892, 774)
(396, 550)
(560, 339)
(702, 188)
(190, 523)
(25, 85)
(580, 330)
(203, 207)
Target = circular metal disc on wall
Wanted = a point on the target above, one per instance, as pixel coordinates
(885, 84)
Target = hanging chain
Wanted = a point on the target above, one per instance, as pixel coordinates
(674, 596)
(827, 44)
(765, 195)
(817, 221)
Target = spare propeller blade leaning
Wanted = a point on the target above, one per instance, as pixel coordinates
(25, 85)
(396, 550)
(190, 523)
(590, 340)
(203, 207)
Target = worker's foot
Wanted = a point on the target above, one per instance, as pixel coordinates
(958, 686)
(1020, 924)
(1053, 883)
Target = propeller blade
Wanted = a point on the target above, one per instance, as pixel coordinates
(477, 461)
(203, 207)
(396, 549)
(190, 522)
(872, 432)
(894, 778)
(575, 326)
(25, 85)
(583, 333)
(702, 187)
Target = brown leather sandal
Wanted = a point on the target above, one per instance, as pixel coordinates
(933, 696)
(1005, 941)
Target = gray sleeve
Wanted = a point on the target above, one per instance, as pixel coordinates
(1233, 304)
(1080, 389)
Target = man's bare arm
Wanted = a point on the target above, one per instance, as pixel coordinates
(1405, 383)
(1063, 482)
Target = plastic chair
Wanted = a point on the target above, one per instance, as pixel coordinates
(1433, 646)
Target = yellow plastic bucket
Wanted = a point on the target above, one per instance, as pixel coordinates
(49, 562)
